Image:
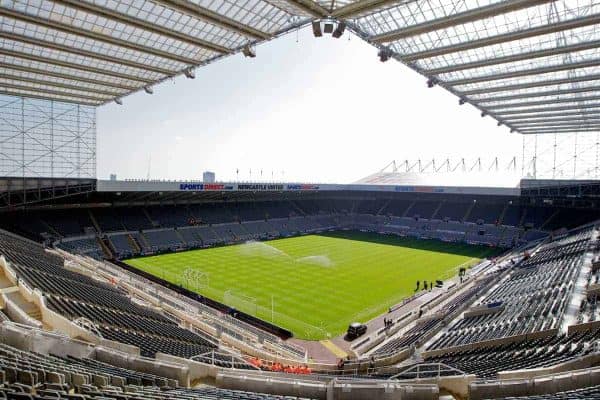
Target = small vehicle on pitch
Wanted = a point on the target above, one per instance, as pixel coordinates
(355, 330)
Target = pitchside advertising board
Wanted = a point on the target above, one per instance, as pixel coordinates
(173, 186)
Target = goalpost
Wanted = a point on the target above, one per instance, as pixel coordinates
(240, 301)
(195, 279)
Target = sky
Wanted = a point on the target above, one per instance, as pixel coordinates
(304, 110)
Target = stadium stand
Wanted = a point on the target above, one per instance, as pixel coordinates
(543, 274)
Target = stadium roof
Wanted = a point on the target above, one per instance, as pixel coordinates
(533, 65)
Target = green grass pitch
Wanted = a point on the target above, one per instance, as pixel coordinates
(314, 285)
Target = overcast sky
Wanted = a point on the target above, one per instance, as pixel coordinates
(305, 109)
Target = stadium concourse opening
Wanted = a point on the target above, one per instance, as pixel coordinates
(316, 285)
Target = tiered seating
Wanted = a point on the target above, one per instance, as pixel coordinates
(537, 216)
(452, 211)
(407, 339)
(169, 216)
(163, 239)
(191, 236)
(134, 218)
(26, 375)
(543, 352)
(424, 209)
(75, 295)
(488, 213)
(122, 245)
(534, 296)
(588, 393)
(417, 332)
(68, 223)
(85, 246)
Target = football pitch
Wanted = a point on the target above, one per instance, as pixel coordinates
(314, 285)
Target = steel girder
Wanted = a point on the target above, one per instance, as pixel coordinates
(595, 128)
(85, 53)
(529, 85)
(516, 57)
(6, 85)
(65, 64)
(556, 122)
(547, 109)
(75, 78)
(504, 37)
(94, 9)
(66, 99)
(544, 117)
(100, 37)
(542, 102)
(560, 92)
(57, 84)
(357, 8)
(310, 7)
(203, 13)
(491, 10)
(525, 72)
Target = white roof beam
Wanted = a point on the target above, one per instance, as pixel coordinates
(199, 12)
(547, 109)
(557, 122)
(57, 84)
(566, 129)
(310, 7)
(66, 28)
(68, 98)
(525, 72)
(477, 14)
(94, 9)
(505, 37)
(544, 117)
(515, 57)
(85, 53)
(75, 78)
(5, 86)
(538, 94)
(362, 7)
(60, 63)
(542, 102)
(529, 85)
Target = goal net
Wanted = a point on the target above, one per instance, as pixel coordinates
(240, 302)
(195, 279)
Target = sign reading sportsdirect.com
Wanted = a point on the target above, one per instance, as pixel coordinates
(252, 187)
(172, 186)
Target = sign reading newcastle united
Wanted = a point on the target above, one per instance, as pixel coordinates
(260, 187)
(171, 186)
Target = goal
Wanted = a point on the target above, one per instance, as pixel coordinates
(193, 278)
(240, 301)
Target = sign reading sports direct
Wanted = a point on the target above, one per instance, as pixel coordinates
(253, 187)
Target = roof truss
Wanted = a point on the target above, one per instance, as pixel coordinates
(508, 58)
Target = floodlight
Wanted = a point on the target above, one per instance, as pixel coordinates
(148, 89)
(189, 73)
(316, 27)
(499, 123)
(249, 52)
(483, 114)
(461, 101)
(119, 101)
(384, 55)
(432, 82)
(339, 31)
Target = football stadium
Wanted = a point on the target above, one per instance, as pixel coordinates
(428, 279)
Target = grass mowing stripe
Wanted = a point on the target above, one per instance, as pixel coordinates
(318, 283)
